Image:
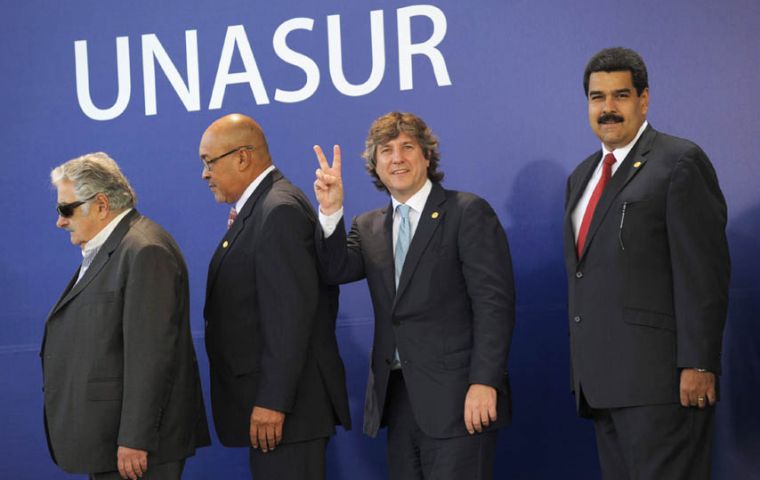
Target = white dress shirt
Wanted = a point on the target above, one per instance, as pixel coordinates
(620, 154)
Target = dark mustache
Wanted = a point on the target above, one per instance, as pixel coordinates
(610, 118)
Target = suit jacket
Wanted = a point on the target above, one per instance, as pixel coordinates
(452, 316)
(649, 294)
(118, 361)
(270, 322)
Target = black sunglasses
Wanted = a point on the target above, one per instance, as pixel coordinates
(66, 210)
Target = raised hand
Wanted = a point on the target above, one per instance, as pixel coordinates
(328, 187)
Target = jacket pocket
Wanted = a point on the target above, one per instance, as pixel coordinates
(104, 389)
(456, 360)
(649, 319)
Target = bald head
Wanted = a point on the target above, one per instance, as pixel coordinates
(234, 151)
(236, 129)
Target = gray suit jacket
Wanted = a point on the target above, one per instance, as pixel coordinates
(118, 361)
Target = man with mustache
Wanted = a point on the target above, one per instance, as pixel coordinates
(648, 272)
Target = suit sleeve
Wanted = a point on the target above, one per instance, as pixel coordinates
(287, 289)
(487, 269)
(151, 322)
(340, 257)
(696, 222)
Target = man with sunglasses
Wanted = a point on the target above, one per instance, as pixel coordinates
(122, 391)
(277, 381)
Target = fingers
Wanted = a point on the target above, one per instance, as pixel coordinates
(468, 421)
(130, 468)
(712, 397)
(323, 165)
(685, 401)
(253, 433)
(132, 464)
(336, 158)
(321, 157)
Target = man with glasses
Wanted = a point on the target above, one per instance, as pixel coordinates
(277, 381)
(122, 391)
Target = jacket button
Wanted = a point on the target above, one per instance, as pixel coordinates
(578, 274)
(387, 361)
(577, 319)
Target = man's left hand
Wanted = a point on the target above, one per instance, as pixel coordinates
(479, 407)
(697, 388)
(132, 463)
(266, 428)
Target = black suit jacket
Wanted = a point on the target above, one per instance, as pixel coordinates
(649, 294)
(270, 322)
(452, 316)
(118, 361)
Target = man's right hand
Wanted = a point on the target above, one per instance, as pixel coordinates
(328, 187)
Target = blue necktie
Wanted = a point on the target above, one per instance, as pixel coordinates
(403, 239)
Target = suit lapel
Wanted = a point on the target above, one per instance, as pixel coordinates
(382, 229)
(632, 165)
(100, 260)
(225, 245)
(425, 228)
(575, 195)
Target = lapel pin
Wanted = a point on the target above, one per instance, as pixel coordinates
(225, 244)
(637, 165)
(434, 215)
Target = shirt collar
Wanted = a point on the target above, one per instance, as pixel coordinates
(98, 240)
(621, 153)
(418, 200)
(251, 188)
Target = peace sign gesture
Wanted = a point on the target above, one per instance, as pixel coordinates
(328, 187)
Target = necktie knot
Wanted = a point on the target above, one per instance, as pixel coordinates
(609, 159)
(231, 217)
(403, 210)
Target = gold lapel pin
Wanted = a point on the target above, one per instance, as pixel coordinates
(434, 215)
(225, 244)
(637, 165)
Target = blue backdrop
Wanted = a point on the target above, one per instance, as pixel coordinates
(499, 81)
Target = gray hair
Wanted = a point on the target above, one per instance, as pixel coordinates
(95, 173)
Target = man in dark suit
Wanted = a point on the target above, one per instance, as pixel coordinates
(122, 392)
(277, 381)
(648, 271)
(439, 272)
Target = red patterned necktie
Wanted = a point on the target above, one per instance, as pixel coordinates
(231, 218)
(609, 160)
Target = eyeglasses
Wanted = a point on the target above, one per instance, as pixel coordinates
(208, 164)
(66, 210)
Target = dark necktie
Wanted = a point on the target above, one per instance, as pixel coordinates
(609, 160)
(231, 218)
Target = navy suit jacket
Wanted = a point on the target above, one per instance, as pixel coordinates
(452, 316)
(270, 322)
(649, 294)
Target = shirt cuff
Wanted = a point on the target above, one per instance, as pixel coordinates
(330, 222)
